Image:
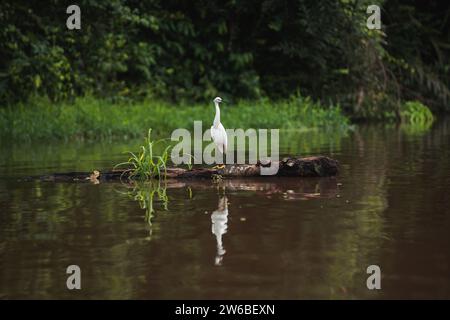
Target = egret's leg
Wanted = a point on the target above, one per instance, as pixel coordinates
(220, 166)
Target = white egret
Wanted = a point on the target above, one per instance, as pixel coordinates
(218, 133)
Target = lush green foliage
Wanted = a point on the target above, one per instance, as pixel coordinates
(418, 50)
(195, 50)
(416, 113)
(93, 118)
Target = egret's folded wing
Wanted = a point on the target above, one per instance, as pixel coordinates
(213, 133)
(225, 142)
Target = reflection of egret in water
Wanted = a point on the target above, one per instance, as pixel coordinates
(152, 196)
(219, 220)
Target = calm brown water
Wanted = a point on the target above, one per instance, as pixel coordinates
(264, 238)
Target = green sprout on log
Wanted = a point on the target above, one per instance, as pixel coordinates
(146, 164)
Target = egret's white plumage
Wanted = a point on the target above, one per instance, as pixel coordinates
(218, 133)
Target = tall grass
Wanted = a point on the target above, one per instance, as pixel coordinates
(146, 164)
(91, 118)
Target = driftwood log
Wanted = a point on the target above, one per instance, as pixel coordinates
(319, 166)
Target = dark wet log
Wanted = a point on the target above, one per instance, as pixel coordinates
(319, 166)
(288, 167)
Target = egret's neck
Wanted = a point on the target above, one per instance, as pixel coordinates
(217, 117)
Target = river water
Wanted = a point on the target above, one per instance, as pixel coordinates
(269, 238)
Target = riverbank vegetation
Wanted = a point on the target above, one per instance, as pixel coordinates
(135, 65)
(92, 118)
